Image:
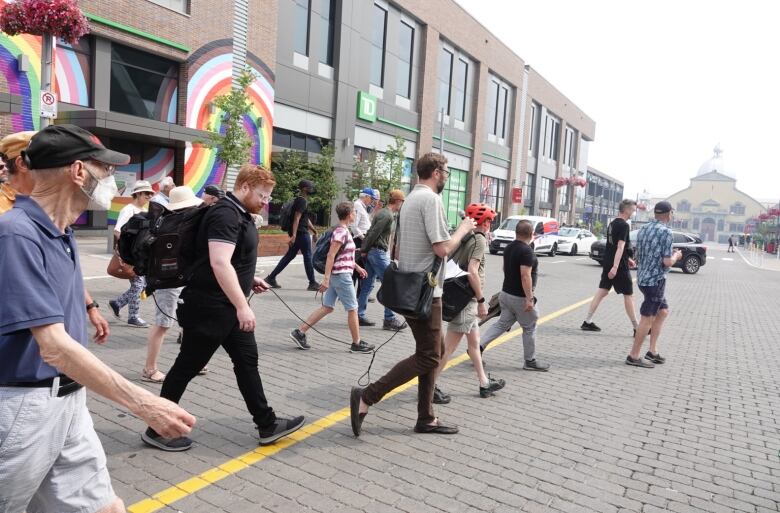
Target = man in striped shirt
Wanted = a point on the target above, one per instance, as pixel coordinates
(338, 284)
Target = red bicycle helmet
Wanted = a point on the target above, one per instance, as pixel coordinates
(480, 212)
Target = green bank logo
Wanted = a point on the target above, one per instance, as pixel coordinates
(366, 107)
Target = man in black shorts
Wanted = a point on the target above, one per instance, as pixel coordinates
(617, 263)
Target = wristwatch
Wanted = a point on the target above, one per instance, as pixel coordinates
(481, 300)
(92, 305)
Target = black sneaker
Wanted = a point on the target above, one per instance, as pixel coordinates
(638, 363)
(362, 321)
(114, 308)
(180, 337)
(493, 386)
(299, 338)
(361, 347)
(655, 358)
(152, 439)
(273, 283)
(279, 429)
(313, 287)
(536, 365)
(439, 397)
(394, 325)
(589, 326)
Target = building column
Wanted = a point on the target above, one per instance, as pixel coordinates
(519, 148)
(559, 167)
(479, 130)
(427, 90)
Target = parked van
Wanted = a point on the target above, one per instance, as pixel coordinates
(545, 234)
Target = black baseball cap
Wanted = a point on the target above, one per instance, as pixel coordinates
(662, 207)
(61, 145)
(306, 184)
(213, 190)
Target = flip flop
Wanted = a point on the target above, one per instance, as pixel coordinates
(355, 417)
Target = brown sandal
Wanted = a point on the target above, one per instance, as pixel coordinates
(152, 376)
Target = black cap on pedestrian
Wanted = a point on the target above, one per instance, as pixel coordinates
(306, 184)
(61, 145)
(663, 207)
(215, 191)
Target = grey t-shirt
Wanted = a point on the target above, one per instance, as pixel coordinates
(422, 223)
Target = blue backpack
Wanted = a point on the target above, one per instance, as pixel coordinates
(320, 256)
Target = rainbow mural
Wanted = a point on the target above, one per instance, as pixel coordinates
(71, 72)
(210, 76)
(27, 85)
(152, 165)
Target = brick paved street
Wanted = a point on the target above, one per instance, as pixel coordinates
(699, 433)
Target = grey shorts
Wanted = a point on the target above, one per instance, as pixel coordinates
(466, 320)
(51, 459)
(165, 309)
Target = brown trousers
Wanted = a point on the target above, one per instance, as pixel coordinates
(429, 348)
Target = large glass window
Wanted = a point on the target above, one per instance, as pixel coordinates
(498, 108)
(459, 86)
(570, 148)
(492, 192)
(545, 191)
(492, 106)
(405, 60)
(182, 6)
(74, 72)
(378, 40)
(327, 26)
(301, 28)
(552, 127)
(529, 189)
(563, 195)
(533, 142)
(445, 79)
(454, 195)
(143, 84)
(297, 141)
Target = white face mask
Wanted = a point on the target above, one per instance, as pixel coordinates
(102, 192)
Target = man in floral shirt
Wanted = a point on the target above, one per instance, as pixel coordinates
(655, 255)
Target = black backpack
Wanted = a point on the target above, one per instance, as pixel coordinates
(161, 245)
(286, 215)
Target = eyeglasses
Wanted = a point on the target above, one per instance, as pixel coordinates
(110, 169)
(263, 197)
(445, 172)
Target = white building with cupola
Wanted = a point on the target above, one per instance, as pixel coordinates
(712, 205)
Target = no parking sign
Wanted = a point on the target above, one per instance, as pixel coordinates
(48, 105)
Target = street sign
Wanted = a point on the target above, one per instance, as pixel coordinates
(48, 105)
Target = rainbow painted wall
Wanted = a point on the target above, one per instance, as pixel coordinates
(210, 72)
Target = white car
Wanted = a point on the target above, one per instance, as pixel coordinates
(575, 241)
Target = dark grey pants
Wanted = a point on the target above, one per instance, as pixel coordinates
(513, 311)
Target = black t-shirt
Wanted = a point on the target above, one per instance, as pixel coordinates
(617, 230)
(301, 205)
(517, 254)
(226, 221)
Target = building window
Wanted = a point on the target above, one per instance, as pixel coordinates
(74, 63)
(545, 192)
(533, 142)
(492, 192)
(445, 79)
(696, 223)
(563, 195)
(721, 225)
(378, 40)
(405, 60)
(454, 195)
(570, 148)
(327, 28)
(552, 126)
(297, 141)
(460, 84)
(498, 108)
(529, 189)
(301, 29)
(143, 84)
(683, 206)
(492, 106)
(738, 209)
(182, 6)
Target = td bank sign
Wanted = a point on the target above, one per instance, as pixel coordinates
(366, 106)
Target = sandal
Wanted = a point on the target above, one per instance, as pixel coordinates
(152, 376)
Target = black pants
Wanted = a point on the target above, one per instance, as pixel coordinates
(206, 325)
(302, 244)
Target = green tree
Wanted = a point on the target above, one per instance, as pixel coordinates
(324, 177)
(234, 144)
(288, 169)
(598, 226)
(363, 173)
(384, 171)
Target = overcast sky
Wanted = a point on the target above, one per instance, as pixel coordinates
(665, 82)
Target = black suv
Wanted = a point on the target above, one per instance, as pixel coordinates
(694, 253)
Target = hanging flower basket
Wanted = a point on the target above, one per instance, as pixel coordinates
(59, 18)
(578, 181)
(561, 181)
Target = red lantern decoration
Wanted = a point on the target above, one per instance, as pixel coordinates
(59, 18)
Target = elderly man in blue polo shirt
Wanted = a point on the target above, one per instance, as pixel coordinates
(51, 457)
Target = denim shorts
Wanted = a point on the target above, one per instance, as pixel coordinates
(341, 288)
(655, 299)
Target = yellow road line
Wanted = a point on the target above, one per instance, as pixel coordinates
(211, 476)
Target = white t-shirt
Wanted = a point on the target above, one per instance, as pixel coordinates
(362, 220)
(125, 214)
